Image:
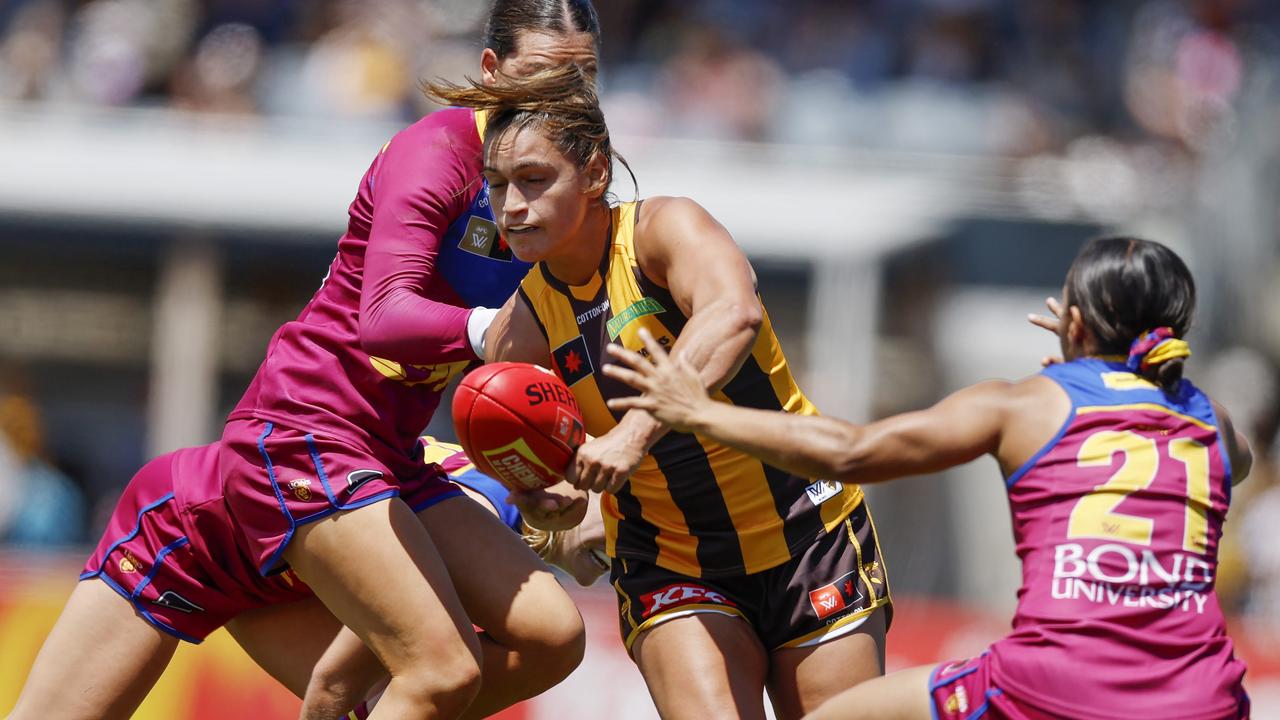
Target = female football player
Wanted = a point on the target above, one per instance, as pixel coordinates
(732, 575)
(1119, 473)
(318, 485)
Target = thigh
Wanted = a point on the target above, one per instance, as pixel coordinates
(100, 660)
(703, 666)
(287, 640)
(377, 570)
(903, 695)
(512, 594)
(801, 679)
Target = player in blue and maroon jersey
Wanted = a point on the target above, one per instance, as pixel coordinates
(319, 472)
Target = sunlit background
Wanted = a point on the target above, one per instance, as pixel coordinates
(910, 178)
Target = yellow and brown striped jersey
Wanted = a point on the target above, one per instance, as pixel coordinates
(694, 506)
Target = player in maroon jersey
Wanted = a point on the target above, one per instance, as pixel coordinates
(1119, 474)
(319, 473)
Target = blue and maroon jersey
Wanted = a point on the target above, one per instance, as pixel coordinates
(369, 356)
(1117, 522)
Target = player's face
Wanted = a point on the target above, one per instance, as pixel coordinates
(535, 51)
(581, 549)
(540, 197)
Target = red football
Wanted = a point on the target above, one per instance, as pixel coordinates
(518, 423)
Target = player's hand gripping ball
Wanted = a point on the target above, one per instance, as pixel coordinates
(518, 423)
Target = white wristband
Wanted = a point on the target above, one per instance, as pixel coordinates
(477, 323)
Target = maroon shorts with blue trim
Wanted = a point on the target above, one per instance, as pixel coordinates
(179, 564)
(187, 542)
(965, 690)
(277, 478)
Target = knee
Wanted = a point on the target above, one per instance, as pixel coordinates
(448, 686)
(332, 693)
(555, 645)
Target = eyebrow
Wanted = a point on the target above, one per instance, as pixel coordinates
(520, 166)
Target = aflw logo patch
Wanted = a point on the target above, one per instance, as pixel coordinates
(839, 595)
(482, 238)
(823, 490)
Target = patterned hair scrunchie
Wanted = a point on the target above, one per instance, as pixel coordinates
(1154, 347)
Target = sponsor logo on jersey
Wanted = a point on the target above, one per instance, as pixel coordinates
(356, 478)
(174, 601)
(516, 465)
(482, 238)
(572, 361)
(673, 596)
(834, 597)
(635, 311)
(823, 490)
(129, 563)
(593, 313)
(301, 489)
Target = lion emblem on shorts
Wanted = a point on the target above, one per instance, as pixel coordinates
(129, 563)
(301, 489)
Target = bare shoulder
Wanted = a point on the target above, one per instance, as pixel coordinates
(677, 231)
(1034, 412)
(664, 216)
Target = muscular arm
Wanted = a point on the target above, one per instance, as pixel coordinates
(420, 186)
(680, 245)
(958, 429)
(962, 427)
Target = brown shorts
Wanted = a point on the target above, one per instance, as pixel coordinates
(822, 593)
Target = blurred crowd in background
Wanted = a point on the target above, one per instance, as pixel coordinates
(1044, 72)
(1152, 83)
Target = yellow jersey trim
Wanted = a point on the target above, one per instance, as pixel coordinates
(1147, 406)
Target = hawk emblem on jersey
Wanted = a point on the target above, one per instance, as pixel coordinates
(572, 361)
(834, 597)
(482, 238)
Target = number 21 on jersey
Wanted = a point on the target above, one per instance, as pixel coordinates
(1095, 514)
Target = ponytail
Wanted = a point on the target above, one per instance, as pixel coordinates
(1158, 356)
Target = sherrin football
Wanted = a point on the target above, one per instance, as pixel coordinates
(518, 423)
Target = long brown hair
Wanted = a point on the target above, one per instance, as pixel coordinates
(561, 102)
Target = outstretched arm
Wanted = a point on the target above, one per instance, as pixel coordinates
(962, 427)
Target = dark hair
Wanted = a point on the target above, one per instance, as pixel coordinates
(508, 17)
(561, 101)
(1127, 286)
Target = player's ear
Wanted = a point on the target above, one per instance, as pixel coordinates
(1077, 332)
(596, 175)
(488, 66)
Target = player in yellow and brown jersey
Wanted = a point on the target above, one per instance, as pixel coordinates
(702, 536)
